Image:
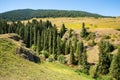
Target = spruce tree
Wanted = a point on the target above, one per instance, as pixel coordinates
(83, 32)
(70, 33)
(50, 43)
(35, 36)
(31, 36)
(38, 42)
(53, 43)
(66, 49)
(79, 51)
(104, 59)
(115, 66)
(58, 45)
(72, 59)
(85, 64)
(63, 30)
(75, 42)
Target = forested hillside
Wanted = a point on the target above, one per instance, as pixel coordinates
(25, 14)
(51, 44)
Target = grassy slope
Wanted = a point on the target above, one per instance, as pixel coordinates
(13, 67)
(75, 23)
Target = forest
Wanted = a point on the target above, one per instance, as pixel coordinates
(46, 40)
(25, 14)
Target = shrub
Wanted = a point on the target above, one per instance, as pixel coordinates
(93, 72)
(91, 43)
(51, 58)
(45, 53)
(33, 47)
(90, 36)
(61, 59)
(106, 37)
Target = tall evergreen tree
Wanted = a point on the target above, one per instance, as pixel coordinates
(72, 58)
(83, 32)
(66, 48)
(63, 30)
(104, 60)
(38, 42)
(85, 63)
(58, 45)
(53, 42)
(75, 42)
(79, 51)
(50, 43)
(115, 66)
(35, 36)
(31, 36)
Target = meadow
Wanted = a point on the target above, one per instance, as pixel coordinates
(76, 23)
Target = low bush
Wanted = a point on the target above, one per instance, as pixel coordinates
(51, 58)
(45, 53)
(61, 58)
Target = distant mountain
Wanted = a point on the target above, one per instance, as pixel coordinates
(24, 14)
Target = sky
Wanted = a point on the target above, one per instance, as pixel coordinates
(103, 7)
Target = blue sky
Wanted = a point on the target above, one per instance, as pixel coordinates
(104, 7)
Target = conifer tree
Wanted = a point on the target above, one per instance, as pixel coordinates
(31, 36)
(84, 62)
(63, 30)
(80, 48)
(35, 36)
(66, 48)
(50, 43)
(75, 42)
(83, 32)
(115, 66)
(38, 42)
(72, 59)
(104, 60)
(53, 42)
(58, 45)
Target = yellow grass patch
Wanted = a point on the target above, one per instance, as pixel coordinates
(76, 23)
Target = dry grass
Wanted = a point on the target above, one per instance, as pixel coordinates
(75, 23)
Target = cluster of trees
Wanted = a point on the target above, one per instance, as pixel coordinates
(25, 14)
(43, 36)
(108, 63)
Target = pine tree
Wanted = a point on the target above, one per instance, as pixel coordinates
(75, 42)
(83, 32)
(35, 36)
(50, 42)
(63, 30)
(53, 42)
(31, 36)
(58, 45)
(104, 59)
(38, 42)
(115, 66)
(79, 51)
(45, 40)
(70, 33)
(66, 48)
(72, 59)
(85, 64)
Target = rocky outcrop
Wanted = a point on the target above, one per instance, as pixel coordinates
(27, 54)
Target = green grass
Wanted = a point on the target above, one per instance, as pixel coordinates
(13, 67)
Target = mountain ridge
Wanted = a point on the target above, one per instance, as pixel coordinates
(24, 14)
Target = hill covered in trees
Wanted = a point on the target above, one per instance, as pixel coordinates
(24, 14)
(52, 45)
